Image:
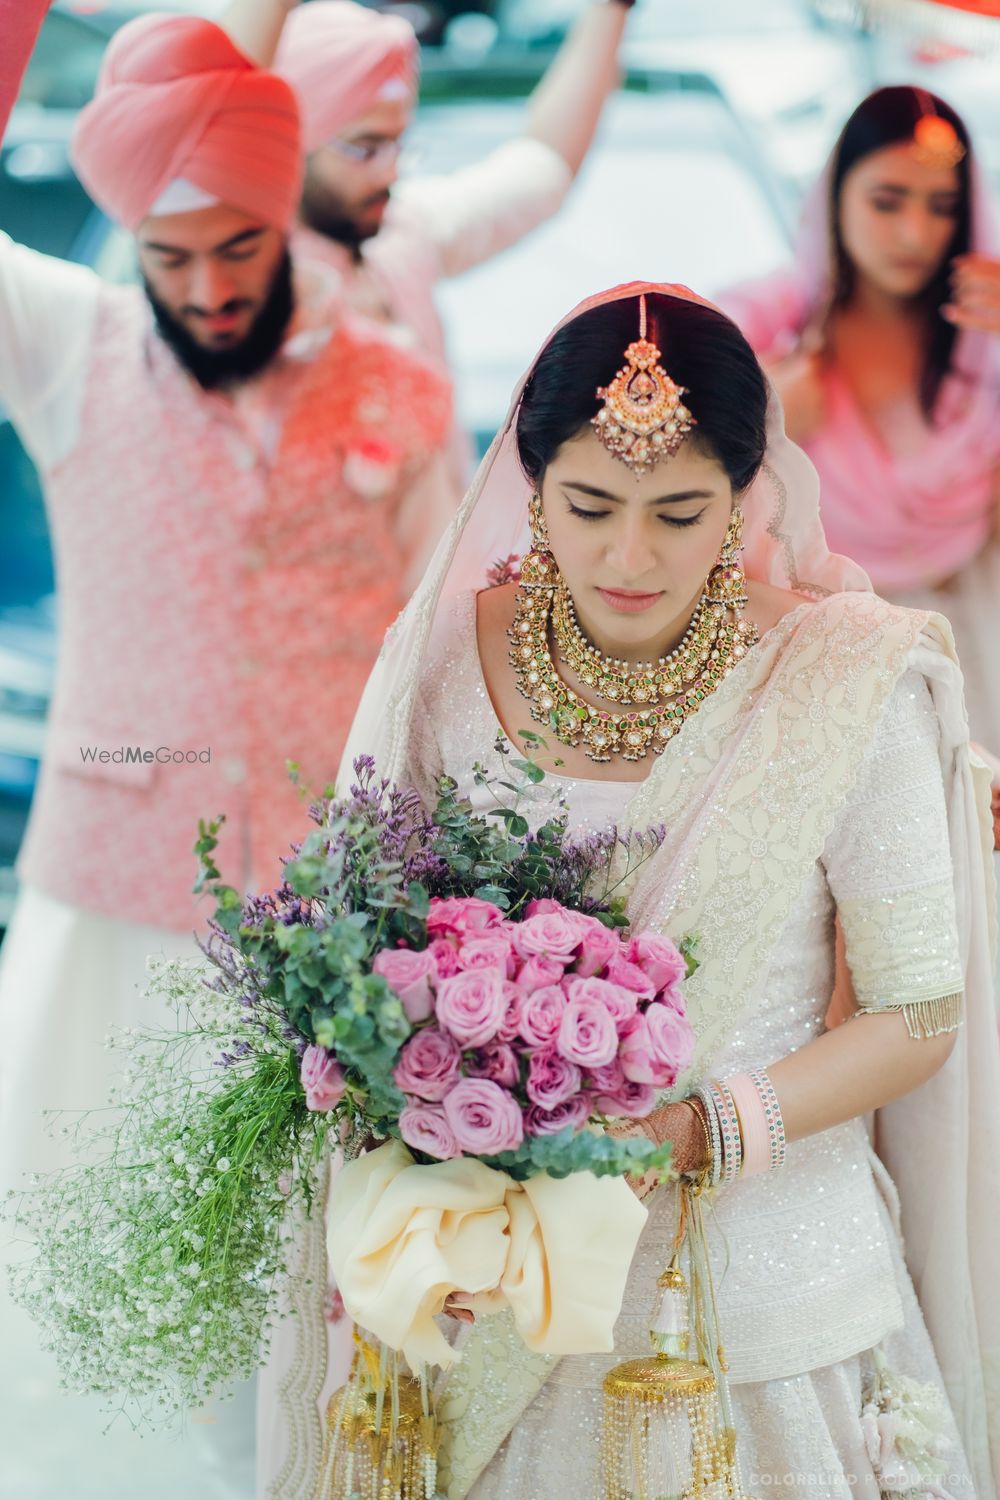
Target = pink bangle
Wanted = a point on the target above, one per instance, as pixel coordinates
(753, 1124)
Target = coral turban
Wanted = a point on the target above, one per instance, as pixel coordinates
(176, 100)
(341, 59)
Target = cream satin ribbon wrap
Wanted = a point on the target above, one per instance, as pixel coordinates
(402, 1238)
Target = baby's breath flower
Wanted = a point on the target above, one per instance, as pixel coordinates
(160, 1253)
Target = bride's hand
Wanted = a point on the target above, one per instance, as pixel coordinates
(680, 1124)
(456, 1309)
(975, 294)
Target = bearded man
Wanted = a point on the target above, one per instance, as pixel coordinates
(239, 475)
(356, 74)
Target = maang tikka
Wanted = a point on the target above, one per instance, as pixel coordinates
(643, 418)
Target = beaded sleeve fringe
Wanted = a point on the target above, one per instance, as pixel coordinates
(924, 1019)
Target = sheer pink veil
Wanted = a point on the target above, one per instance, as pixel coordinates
(785, 546)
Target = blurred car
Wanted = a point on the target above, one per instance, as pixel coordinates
(784, 70)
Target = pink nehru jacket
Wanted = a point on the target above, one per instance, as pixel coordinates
(341, 59)
(176, 100)
(215, 604)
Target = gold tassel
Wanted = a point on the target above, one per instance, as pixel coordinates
(381, 1433)
(667, 1431)
(927, 1018)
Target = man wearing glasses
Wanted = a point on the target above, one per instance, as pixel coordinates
(356, 75)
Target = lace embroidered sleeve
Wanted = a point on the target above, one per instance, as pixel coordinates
(889, 867)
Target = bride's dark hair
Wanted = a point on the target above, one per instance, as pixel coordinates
(701, 349)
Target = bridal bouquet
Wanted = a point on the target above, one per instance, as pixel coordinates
(452, 998)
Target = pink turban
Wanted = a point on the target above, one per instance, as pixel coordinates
(341, 59)
(177, 101)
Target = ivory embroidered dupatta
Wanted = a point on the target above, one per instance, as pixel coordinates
(787, 730)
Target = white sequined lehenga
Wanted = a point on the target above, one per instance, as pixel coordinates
(814, 1256)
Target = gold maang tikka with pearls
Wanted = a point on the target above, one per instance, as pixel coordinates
(649, 701)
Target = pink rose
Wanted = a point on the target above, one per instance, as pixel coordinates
(445, 957)
(509, 1026)
(633, 1100)
(541, 907)
(621, 1004)
(428, 1064)
(485, 1118)
(536, 972)
(630, 976)
(462, 916)
(472, 1006)
(658, 958)
(424, 1127)
(490, 952)
(498, 1062)
(552, 934)
(575, 1112)
(607, 1079)
(636, 1051)
(541, 1014)
(587, 1033)
(671, 1042)
(410, 976)
(322, 1077)
(598, 946)
(551, 1079)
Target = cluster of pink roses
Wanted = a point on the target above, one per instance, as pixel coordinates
(525, 1027)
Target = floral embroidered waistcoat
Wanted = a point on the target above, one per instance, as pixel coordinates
(215, 604)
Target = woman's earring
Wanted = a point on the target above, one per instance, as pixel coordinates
(538, 567)
(727, 584)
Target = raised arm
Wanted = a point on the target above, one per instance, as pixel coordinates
(46, 305)
(20, 23)
(255, 26)
(566, 106)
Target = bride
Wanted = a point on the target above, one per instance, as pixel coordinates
(693, 655)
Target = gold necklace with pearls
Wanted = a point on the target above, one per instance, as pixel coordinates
(634, 682)
(712, 645)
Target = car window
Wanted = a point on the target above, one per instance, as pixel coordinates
(64, 65)
(43, 214)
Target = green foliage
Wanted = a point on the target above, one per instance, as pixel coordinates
(583, 1151)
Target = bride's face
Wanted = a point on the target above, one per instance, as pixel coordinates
(635, 551)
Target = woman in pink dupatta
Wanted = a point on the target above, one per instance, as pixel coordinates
(884, 343)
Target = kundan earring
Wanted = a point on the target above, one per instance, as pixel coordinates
(727, 584)
(538, 567)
